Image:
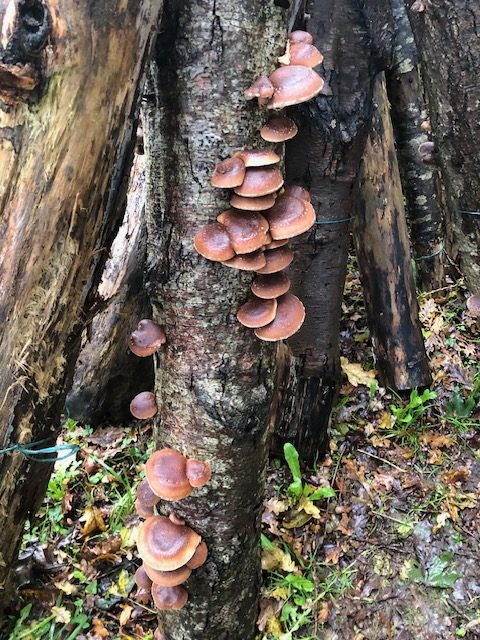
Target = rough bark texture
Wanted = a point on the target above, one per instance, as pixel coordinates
(325, 156)
(107, 374)
(449, 45)
(215, 379)
(420, 181)
(383, 250)
(57, 196)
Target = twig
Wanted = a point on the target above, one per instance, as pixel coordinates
(372, 455)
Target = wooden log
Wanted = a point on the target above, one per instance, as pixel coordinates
(65, 140)
(420, 181)
(107, 373)
(215, 380)
(384, 259)
(325, 157)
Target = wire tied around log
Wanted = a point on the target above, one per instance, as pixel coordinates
(469, 213)
(31, 451)
(431, 255)
(334, 221)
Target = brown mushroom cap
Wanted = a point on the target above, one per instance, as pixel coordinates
(279, 129)
(261, 88)
(168, 578)
(144, 405)
(169, 597)
(289, 217)
(198, 472)
(142, 579)
(300, 36)
(270, 285)
(289, 319)
(258, 157)
(247, 230)
(142, 509)
(147, 338)
(199, 557)
(257, 312)
(146, 495)
(260, 203)
(293, 84)
(277, 259)
(175, 519)
(247, 262)
(473, 305)
(166, 472)
(260, 181)
(228, 173)
(301, 53)
(166, 546)
(213, 242)
(297, 191)
(274, 244)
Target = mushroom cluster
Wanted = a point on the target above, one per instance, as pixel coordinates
(168, 548)
(253, 234)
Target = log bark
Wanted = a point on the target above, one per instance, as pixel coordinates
(215, 379)
(384, 260)
(446, 33)
(107, 374)
(62, 173)
(325, 157)
(421, 182)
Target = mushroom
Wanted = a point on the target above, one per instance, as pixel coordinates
(198, 472)
(260, 181)
(168, 578)
(297, 191)
(258, 157)
(276, 259)
(166, 546)
(199, 557)
(473, 305)
(262, 89)
(279, 129)
(146, 495)
(300, 36)
(289, 217)
(260, 203)
(427, 152)
(147, 338)
(144, 405)
(270, 285)
(247, 261)
(166, 472)
(142, 579)
(301, 53)
(213, 242)
(247, 231)
(143, 510)
(169, 597)
(257, 312)
(228, 173)
(288, 320)
(293, 84)
(274, 244)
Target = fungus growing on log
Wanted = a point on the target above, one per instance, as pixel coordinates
(168, 578)
(260, 181)
(142, 579)
(144, 405)
(146, 495)
(293, 84)
(169, 597)
(247, 231)
(166, 546)
(277, 259)
(300, 36)
(166, 472)
(147, 338)
(301, 53)
(198, 472)
(257, 312)
(288, 320)
(213, 242)
(262, 89)
(289, 217)
(270, 285)
(279, 129)
(143, 510)
(228, 173)
(199, 557)
(258, 157)
(473, 305)
(260, 203)
(297, 191)
(247, 261)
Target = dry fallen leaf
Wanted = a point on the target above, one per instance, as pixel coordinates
(125, 614)
(275, 558)
(99, 628)
(93, 521)
(356, 374)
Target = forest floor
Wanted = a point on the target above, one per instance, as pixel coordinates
(378, 541)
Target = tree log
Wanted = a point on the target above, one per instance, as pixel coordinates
(446, 33)
(421, 182)
(64, 144)
(325, 157)
(215, 380)
(107, 374)
(384, 261)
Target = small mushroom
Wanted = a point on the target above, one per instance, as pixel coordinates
(297, 191)
(288, 320)
(260, 181)
(146, 495)
(274, 244)
(169, 597)
(427, 152)
(473, 305)
(289, 217)
(199, 557)
(293, 84)
(247, 230)
(276, 260)
(168, 578)
(279, 129)
(166, 472)
(247, 261)
(300, 36)
(198, 472)
(270, 285)
(144, 405)
(228, 173)
(262, 89)
(142, 579)
(260, 203)
(166, 546)
(257, 312)
(147, 338)
(258, 157)
(143, 510)
(301, 53)
(213, 242)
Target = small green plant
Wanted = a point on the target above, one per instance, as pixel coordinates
(297, 489)
(417, 405)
